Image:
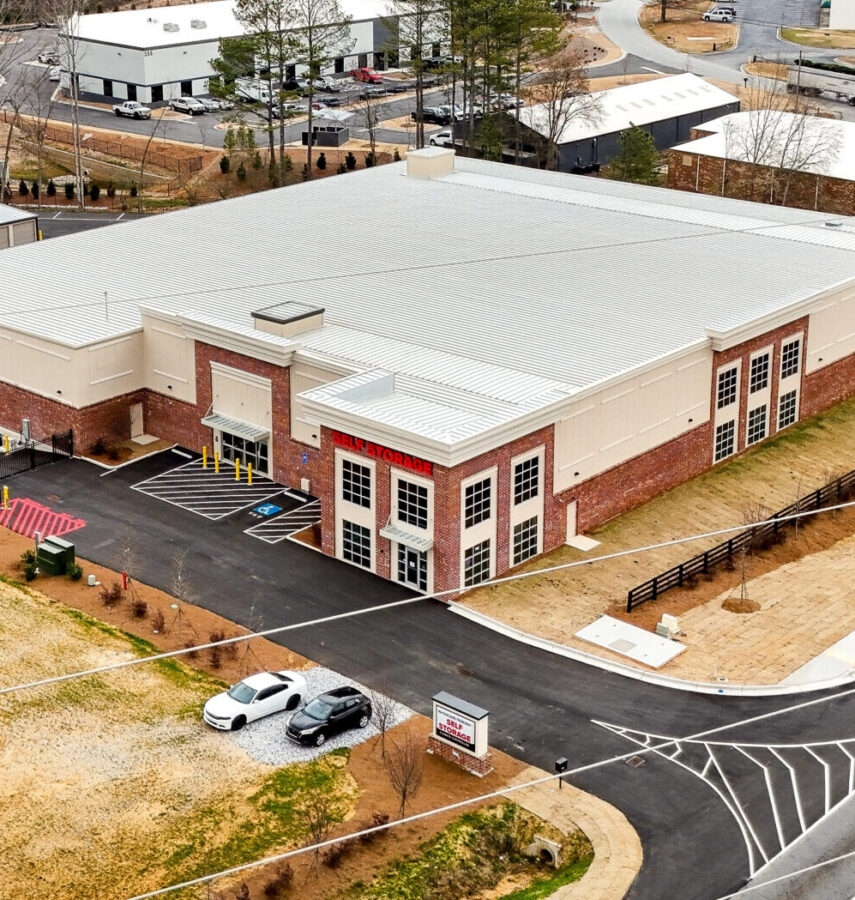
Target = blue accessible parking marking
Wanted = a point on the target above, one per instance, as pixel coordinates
(268, 509)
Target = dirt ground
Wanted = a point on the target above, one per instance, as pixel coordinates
(819, 37)
(685, 31)
(760, 481)
(104, 782)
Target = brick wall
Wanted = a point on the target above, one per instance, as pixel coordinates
(689, 171)
(109, 421)
(743, 352)
(827, 386)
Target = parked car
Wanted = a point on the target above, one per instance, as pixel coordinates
(254, 698)
(731, 10)
(441, 138)
(326, 83)
(132, 110)
(295, 84)
(438, 115)
(211, 104)
(717, 15)
(54, 73)
(367, 76)
(189, 105)
(329, 714)
(508, 101)
(49, 58)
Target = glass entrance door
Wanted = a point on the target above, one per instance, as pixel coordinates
(234, 447)
(412, 567)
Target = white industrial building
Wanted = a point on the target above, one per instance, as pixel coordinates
(17, 226)
(463, 397)
(154, 55)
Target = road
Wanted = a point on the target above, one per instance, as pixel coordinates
(543, 706)
(56, 224)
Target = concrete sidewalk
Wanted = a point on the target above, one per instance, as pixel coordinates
(617, 847)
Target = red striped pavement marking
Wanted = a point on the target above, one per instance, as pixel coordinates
(27, 517)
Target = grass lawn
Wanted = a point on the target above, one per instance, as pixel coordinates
(111, 784)
(767, 477)
(819, 37)
(685, 30)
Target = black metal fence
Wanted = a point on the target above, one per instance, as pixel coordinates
(834, 492)
(31, 454)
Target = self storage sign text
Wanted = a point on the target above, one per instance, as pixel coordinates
(395, 457)
(454, 727)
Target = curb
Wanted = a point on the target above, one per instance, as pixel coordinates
(668, 681)
(617, 847)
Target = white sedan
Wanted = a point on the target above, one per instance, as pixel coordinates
(254, 698)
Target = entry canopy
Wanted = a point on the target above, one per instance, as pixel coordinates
(413, 541)
(236, 427)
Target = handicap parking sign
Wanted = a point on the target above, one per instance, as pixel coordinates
(268, 509)
(305, 458)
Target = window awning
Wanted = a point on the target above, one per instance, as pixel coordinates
(407, 538)
(236, 426)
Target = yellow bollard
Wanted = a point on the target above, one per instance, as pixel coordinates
(249, 473)
(6, 443)
(216, 463)
(5, 497)
(237, 470)
(204, 457)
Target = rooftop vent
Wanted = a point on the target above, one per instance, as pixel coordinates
(152, 19)
(833, 224)
(198, 23)
(288, 318)
(430, 162)
(171, 26)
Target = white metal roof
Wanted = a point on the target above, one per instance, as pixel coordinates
(489, 294)
(8, 214)
(781, 139)
(145, 27)
(634, 104)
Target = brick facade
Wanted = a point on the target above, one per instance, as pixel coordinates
(695, 172)
(477, 765)
(599, 499)
(109, 421)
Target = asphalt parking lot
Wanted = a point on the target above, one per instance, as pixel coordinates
(542, 706)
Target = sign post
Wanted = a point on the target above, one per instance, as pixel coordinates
(460, 733)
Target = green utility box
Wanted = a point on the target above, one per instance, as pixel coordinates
(51, 559)
(66, 547)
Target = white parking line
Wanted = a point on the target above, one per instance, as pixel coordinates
(206, 492)
(275, 530)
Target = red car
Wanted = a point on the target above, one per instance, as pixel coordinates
(369, 76)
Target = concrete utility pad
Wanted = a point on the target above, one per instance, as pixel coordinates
(636, 643)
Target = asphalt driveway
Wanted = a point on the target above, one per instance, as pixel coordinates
(542, 706)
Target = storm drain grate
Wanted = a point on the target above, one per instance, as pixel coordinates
(636, 761)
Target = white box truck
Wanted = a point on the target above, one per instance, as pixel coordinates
(810, 82)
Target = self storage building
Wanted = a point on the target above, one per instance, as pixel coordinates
(460, 396)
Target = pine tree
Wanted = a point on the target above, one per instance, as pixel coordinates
(638, 159)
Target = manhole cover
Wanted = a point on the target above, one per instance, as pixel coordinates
(635, 761)
(54, 498)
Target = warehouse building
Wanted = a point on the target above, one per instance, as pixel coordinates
(460, 398)
(17, 226)
(154, 55)
(668, 108)
(770, 156)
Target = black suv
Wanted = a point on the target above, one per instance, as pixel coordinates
(328, 714)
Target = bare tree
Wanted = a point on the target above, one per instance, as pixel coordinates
(412, 25)
(563, 92)
(405, 768)
(370, 112)
(776, 144)
(317, 813)
(320, 33)
(67, 15)
(158, 120)
(40, 107)
(383, 714)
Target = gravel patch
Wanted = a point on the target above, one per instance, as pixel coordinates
(265, 739)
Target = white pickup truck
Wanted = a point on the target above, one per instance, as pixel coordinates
(132, 110)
